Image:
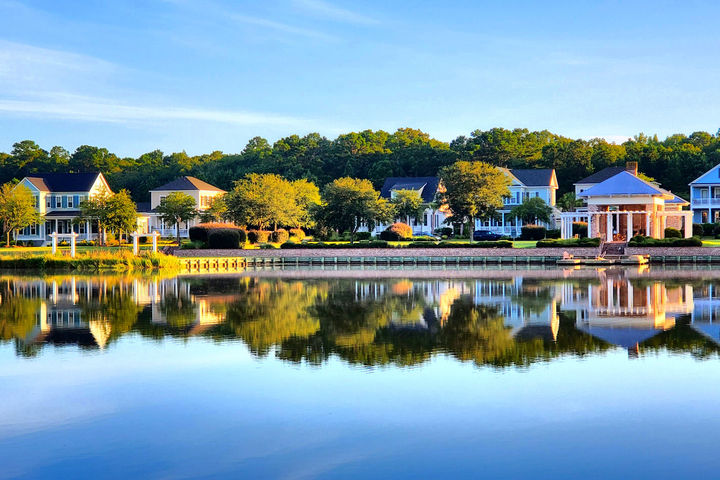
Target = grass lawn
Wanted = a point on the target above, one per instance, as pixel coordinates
(711, 242)
(32, 251)
(524, 243)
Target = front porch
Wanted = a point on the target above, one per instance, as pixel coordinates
(622, 225)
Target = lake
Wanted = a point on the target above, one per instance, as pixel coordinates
(360, 373)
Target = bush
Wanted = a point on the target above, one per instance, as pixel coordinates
(569, 242)
(447, 231)
(397, 231)
(642, 241)
(580, 229)
(533, 232)
(698, 230)
(258, 236)
(192, 245)
(672, 233)
(553, 233)
(480, 244)
(201, 231)
(710, 229)
(363, 236)
(279, 236)
(423, 238)
(224, 238)
(361, 244)
(143, 240)
(298, 233)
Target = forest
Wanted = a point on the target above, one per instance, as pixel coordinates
(375, 155)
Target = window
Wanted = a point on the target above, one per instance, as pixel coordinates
(37, 201)
(425, 220)
(48, 201)
(70, 201)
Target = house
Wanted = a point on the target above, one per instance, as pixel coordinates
(202, 192)
(427, 187)
(525, 183)
(705, 196)
(57, 199)
(624, 205)
(602, 175)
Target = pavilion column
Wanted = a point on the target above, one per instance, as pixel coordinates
(663, 223)
(589, 222)
(88, 230)
(688, 225)
(647, 224)
(503, 222)
(608, 223)
(629, 226)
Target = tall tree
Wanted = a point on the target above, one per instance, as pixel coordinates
(17, 209)
(532, 210)
(94, 209)
(120, 213)
(349, 203)
(176, 208)
(408, 204)
(217, 211)
(262, 200)
(474, 190)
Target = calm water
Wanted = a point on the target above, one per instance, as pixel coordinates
(360, 373)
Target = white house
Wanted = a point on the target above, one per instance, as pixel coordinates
(705, 196)
(57, 199)
(427, 187)
(202, 192)
(525, 183)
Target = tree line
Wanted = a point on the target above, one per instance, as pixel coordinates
(376, 155)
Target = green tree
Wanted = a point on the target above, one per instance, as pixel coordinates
(176, 208)
(94, 209)
(350, 203)
(262, 200)
(17, 209)
(307, 197)
(474, 190)
(408, 204)
(120, 213)
(569, 202)
(216, 212)
(532, 210)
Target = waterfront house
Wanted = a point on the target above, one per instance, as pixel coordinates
(624, 205)
(202, 192)
(525, 183)
(705, 196)
(57, 199)
(433, 216)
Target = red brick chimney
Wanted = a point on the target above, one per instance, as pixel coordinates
(632, 167)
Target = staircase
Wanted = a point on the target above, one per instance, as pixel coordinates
(613, 249)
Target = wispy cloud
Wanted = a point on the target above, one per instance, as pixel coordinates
(280, 27)
(92, 109)
(325, 9)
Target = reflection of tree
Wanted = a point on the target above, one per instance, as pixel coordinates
(683, 339)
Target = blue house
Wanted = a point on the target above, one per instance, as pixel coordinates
(705, 196)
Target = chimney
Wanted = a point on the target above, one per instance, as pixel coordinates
(631, 167)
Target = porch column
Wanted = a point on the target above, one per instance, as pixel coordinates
(663, 223)
(688, 224)
(503, 222)
(647, 224)
(589, 222)
(563, 227)
(629, 226)
(88, 230)
(608, 230)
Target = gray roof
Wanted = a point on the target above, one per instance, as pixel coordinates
(63, 213)
(626, 337)
(430, 185)
(602, 175)
(186, 183)
(534, 177)
(63, 182)
(624, 183)
(143, 207)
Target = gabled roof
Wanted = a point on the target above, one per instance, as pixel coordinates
(624, 183)
(534, 177)
(428, 185)
(677, 199)
(186, 183)
(621, 336)
(712, 176)
(602, 175)
(63, 182)
(143, 207)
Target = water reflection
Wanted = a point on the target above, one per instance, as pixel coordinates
(506, 318)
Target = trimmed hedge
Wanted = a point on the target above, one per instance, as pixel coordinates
(360, 236)
(642, 241)
(313, 246)
(532, 232)
(223, 238)
(570, 242)
(397, 231)
(280, 236)
(673, 233)
(200, 231)
(553, 233)
(580, 229)
(698, 230)
(384, 244)
(298, 233)
(258, 236)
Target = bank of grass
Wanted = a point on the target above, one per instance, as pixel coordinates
(93, 260)
(711, 242)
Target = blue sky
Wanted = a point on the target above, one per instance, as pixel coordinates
(201, 75)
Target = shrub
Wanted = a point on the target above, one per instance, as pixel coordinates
(279, 236)
(642, 241)
(709, 229)
(423, 238)
(580, 229)
(447, 231)
(672, 233)
(298, 233)
(397, 231)
(224, 238)
(553, 233)
(569, 242)
(533, 232)
(192, 245)
(698, 230)
(258, 236)
(363, 235)
(143, 240)
(201, 231)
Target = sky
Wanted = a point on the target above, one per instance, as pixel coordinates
(205, 75)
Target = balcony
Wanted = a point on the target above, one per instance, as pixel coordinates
(705, 201)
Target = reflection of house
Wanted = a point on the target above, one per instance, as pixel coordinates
(57, 199)
(525, 183)
(624, 313)
(625, 205)
(706, 312)
(202, 192)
